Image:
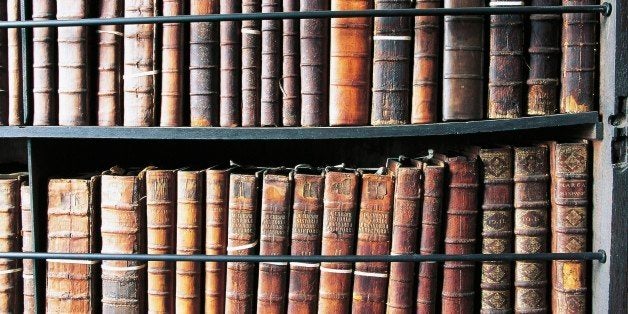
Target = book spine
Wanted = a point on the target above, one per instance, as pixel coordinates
(27, 246)
(44, 96)
(307, 218)
(4, 78)
(579, 43)
(497, 233)
(460, 230)
(274, 240)
(531, 203)
(217, 206)
(251, 65)
(161, 191)
(109, 66)
(290, 79)
(230, 71)
(271, 66)
(14, 67)
(349, 65)
(10, 269)
(427, 40)
(505, 75)
(340, 206)
(172, 66)
(463, 59)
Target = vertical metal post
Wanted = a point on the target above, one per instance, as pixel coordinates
(26, 61)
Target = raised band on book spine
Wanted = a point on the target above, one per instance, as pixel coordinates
(109, 65)
(270, 114)
(251, 65)
(230, 71)
(290, 78)
(4, 77)
(10, 269)
(172, 66)
(14, 67)
(44, 75)
(27, 246)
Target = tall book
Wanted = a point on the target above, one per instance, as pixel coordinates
(531, 205)
(274, 240)
(290, 78)
(251, 64)
(72, 209)
(122, 228)
(109, 80)
(270, 113)
(171, 66)
(44, 76)
(463, 64)
(14, 66)
(27, 246)
(10, 269)
(392, 44)
(340, 208)
(349, 65)
(4, 78)
(230, 72)
(427, 39)
(569, 166)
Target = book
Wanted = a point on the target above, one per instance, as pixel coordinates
(171, 103)
(72, 210)
(349, 65)
(27, 246)
(290, 77)
(10, 241)
(230, 71)
(4, 77)
(392, 44)
(44, 55)
(251, 65)
(270, 112)
(463, 59)
(109, 90)
(14, 66)
(531, 205)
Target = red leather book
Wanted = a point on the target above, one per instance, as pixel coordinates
(290, 78)
(271, 66)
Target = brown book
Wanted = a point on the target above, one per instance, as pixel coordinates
(427, 40)
(14, 67)
(109, 65)
(139, 65)
(161, 193)
(230, 56)
(44, 76)
(10, 269)
(531, 204)
(274, 240)
(72, 206)
(579, 41)
(392, 44)
(123, 232)
(569, 166)
(350, 65)
(27, 246)
(340, 208)
(251, 64)
(290, 78)
(307, 219)
(505, 74)
(463, 55)
(270, 114)
(171, 66)
(314, 54)
(4, 78)
(544, 60)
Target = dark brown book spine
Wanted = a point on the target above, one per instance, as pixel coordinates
(463, 70)
(230, 71)
(171, 66)
(10, 269)
(110, 65)
(427, 40)
(27, 246)
(290, 79)
(14, 67)
(4, 78)
(340, 201)
(271, 66)
(251, 64)
(44, 76)
(531, 204)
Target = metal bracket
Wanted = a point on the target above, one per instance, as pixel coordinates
(619, 122)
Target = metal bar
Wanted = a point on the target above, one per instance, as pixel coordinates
(25, 43)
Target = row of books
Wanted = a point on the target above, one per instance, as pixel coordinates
(426, 205)
(343, 71)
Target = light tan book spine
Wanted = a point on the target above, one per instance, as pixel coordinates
(44, 53)
(10, 269)
(110, 66)
(27, 246)
(14, 67)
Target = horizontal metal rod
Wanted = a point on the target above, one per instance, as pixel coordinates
(604, 8)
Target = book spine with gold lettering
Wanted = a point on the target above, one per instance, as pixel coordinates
(109, 81)
(27, 246)
(44, 76)
(10, 269)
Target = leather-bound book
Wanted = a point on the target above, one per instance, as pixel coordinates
(27, 246)
(10, 269)
(270, 114)
(314, 51)
(139, 65)
(340, 209)
(307, 219)
(190, 209)
(427, 39)
(44, 76)
(350, 65)
(109, 80)
(370, 279)
(161, 198)
(392, 50)
(544, 60)
(251, 64)
(204, 63)
(531, 205)
(14, 67)
(72, 210)
(570, 201)
(290, 78)
(497, 232)
(463, 69)
(4, 78)
(274, 240)
(506, 63)
(123, 219)
(230, 71)
(579, 43)
(171, 66)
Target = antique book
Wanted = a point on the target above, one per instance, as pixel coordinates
(72, 206)
(392, 44)
(204, 63)
(579, 43)
(370, 279)
(349, 65)
(274, 240)
(307, 219)
(161, 201)
(171, 66)
(314, 55)
(44, 76)
(544, 60)
(139, 65)
(531, 205)
(109, 80)
(27, 246)
(123, 223)
(463, 69)
(506, 62)
(425, 70)
(569, 169)
(190, 209)
(14, 66)
(290, 78)
(251, 65)
(270, 112)
(230, 71)
(340, 209)
(4, 78)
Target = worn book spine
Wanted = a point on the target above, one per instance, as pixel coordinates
(230, 67)
(506, 62)
(270, 113)
(290, 78)
(497, 232)
(27, 246)
(251, 64)
(350, 65)
(171, 66)
(44, 76)
(531, 205)
(204, 64)
(570, 202)
(425, 71)
(161, 189)
(579, 43)
(4, 78)
(463, 59)
(14, 67)
(340, 207)
(10, 269)
(109, 80)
